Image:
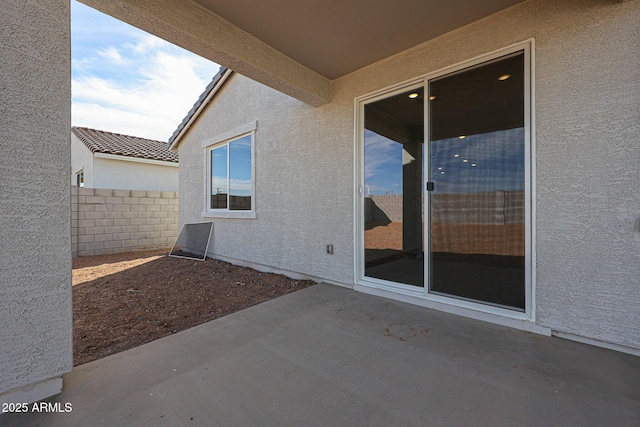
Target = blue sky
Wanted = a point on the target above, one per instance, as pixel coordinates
(382, 165)
(127, 81)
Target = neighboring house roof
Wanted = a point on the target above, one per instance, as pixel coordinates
(197, 108)
(99, 141)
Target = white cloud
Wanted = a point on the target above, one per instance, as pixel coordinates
(381, 154)
(143, 87)
(115, 120)
(241, 187)
(111, 54)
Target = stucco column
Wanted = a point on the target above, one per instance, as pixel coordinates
(35, 236)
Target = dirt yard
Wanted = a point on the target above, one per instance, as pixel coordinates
(121, 301)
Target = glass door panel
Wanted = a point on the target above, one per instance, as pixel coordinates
(477, 166)
(393, 177)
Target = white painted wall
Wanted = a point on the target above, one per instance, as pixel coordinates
(587, 162)
(134, 175)
(81, 159)
(128, 174)
(35, 267)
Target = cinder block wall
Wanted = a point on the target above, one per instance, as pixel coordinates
(111, 221)
(496, 207)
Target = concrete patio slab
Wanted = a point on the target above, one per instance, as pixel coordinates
(328, 356)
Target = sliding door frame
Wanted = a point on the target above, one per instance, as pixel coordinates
(421, 296)
(360, 277)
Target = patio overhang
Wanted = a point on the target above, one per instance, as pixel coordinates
(195, 28)
(298, 47)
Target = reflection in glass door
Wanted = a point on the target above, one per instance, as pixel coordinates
(393, 177)
(477, 167)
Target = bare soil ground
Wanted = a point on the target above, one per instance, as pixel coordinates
(121, 301)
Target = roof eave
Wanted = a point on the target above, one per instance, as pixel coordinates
(182, 129)
(127, 158)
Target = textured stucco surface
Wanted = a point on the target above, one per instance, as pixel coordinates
(586, 160)
(35, 267)
(588, 173)
(303, 191)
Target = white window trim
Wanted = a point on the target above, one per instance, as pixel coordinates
(80, 172)
(520, 320)
(218, 140)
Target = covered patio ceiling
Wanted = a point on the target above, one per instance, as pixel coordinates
(298, 46)
(337, 37)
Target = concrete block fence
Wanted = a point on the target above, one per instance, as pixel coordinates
(495, 207)
(107, 221)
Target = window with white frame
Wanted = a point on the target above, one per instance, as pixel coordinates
(230, 184)
(80, 179)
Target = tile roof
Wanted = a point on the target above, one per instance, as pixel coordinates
(99, 141)
(198, 104)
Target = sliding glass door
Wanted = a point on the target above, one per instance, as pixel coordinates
(444, 206)
(477, 167)
(393, 196)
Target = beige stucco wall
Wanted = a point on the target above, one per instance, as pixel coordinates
(35, 267)
(303, 196)
(586, 160)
